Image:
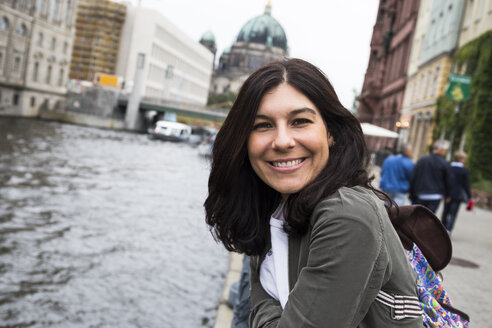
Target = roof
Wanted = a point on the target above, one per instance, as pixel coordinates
(264, 29)
(208, 36)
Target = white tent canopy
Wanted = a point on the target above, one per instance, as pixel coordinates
(377, 131)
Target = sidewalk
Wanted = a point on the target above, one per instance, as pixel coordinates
(470, 287)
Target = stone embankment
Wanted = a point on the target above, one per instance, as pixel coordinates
(224, 312)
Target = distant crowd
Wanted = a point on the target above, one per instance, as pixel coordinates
(431, 180)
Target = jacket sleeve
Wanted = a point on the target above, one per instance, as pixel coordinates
(411, 191)
(448, 178)
(408, 169)
(466, 183)
(346, 267)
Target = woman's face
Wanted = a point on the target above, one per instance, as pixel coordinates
(289, 145)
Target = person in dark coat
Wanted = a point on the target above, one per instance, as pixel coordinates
(460, 190)
(431, 178)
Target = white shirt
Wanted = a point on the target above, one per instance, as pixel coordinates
(274, 270)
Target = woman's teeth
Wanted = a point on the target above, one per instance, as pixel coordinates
(287, 164)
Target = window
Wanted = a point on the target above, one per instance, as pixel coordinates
(421, 85)
(169, 72)
(434, 82)
(33, 101)
(39, 40)
(15, 99)
(48, 75)
(426, 90)
(65, 47)
(35, 72)
(54, 13)
(53, 43)
(68, 13)
(21, 29)
(57, 9)
(480, 10)
(60, 77)
(1, 58)
(469, 11)
(41, 6)
(16, 65)
(4, 24)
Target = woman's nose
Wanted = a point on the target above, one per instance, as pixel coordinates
(283, 139)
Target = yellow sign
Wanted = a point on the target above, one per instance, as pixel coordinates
(107, 80)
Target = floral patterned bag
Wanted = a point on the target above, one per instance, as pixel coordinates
(438, 310)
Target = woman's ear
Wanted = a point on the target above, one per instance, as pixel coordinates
(331, 141)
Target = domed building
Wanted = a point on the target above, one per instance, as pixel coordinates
(208, 41)
(261, 40)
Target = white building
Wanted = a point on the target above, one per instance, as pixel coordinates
(36, 39)
(177, 68)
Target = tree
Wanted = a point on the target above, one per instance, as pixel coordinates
(475, 114)
(224, 100)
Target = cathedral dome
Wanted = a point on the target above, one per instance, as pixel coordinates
(264, 29)
(208, 36)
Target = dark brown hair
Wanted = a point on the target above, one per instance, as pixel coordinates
(239, 204)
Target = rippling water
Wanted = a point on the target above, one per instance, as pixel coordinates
(103, 229)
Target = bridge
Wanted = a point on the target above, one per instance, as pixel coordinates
(186, 113)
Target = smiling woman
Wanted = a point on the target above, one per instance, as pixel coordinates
(289, 187)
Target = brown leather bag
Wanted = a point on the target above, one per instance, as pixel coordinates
(417, 224)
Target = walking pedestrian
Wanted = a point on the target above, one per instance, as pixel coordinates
(431, 176)
(460, 190)
(289, 186)
(396, 173)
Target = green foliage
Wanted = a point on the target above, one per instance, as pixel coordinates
(483, 185)
(474, 115)
(224, 100)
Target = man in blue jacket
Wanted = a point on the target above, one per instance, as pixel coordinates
(396, 173)
(431, 178)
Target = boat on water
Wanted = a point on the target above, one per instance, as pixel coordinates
(171, 131)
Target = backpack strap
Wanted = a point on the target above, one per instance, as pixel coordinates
(417, 224)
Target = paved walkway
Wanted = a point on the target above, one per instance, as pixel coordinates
(470, 288)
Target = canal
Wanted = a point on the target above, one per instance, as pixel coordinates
(103, 228)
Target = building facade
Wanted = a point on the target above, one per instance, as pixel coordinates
(382, 92)
(428, 81)
(261, 40)
(36, 39)
(477, 20)
(97, 38)
(177, 69)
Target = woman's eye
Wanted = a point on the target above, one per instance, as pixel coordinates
(261, 125)
(300, 121)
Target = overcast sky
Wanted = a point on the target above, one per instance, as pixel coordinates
(335, 35)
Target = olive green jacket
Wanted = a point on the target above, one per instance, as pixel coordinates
(337, 269)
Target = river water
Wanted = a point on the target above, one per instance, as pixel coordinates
(103, 228)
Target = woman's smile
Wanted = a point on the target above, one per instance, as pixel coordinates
(287, 164)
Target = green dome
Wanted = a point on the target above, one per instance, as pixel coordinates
(264, 29)
(208, 36)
